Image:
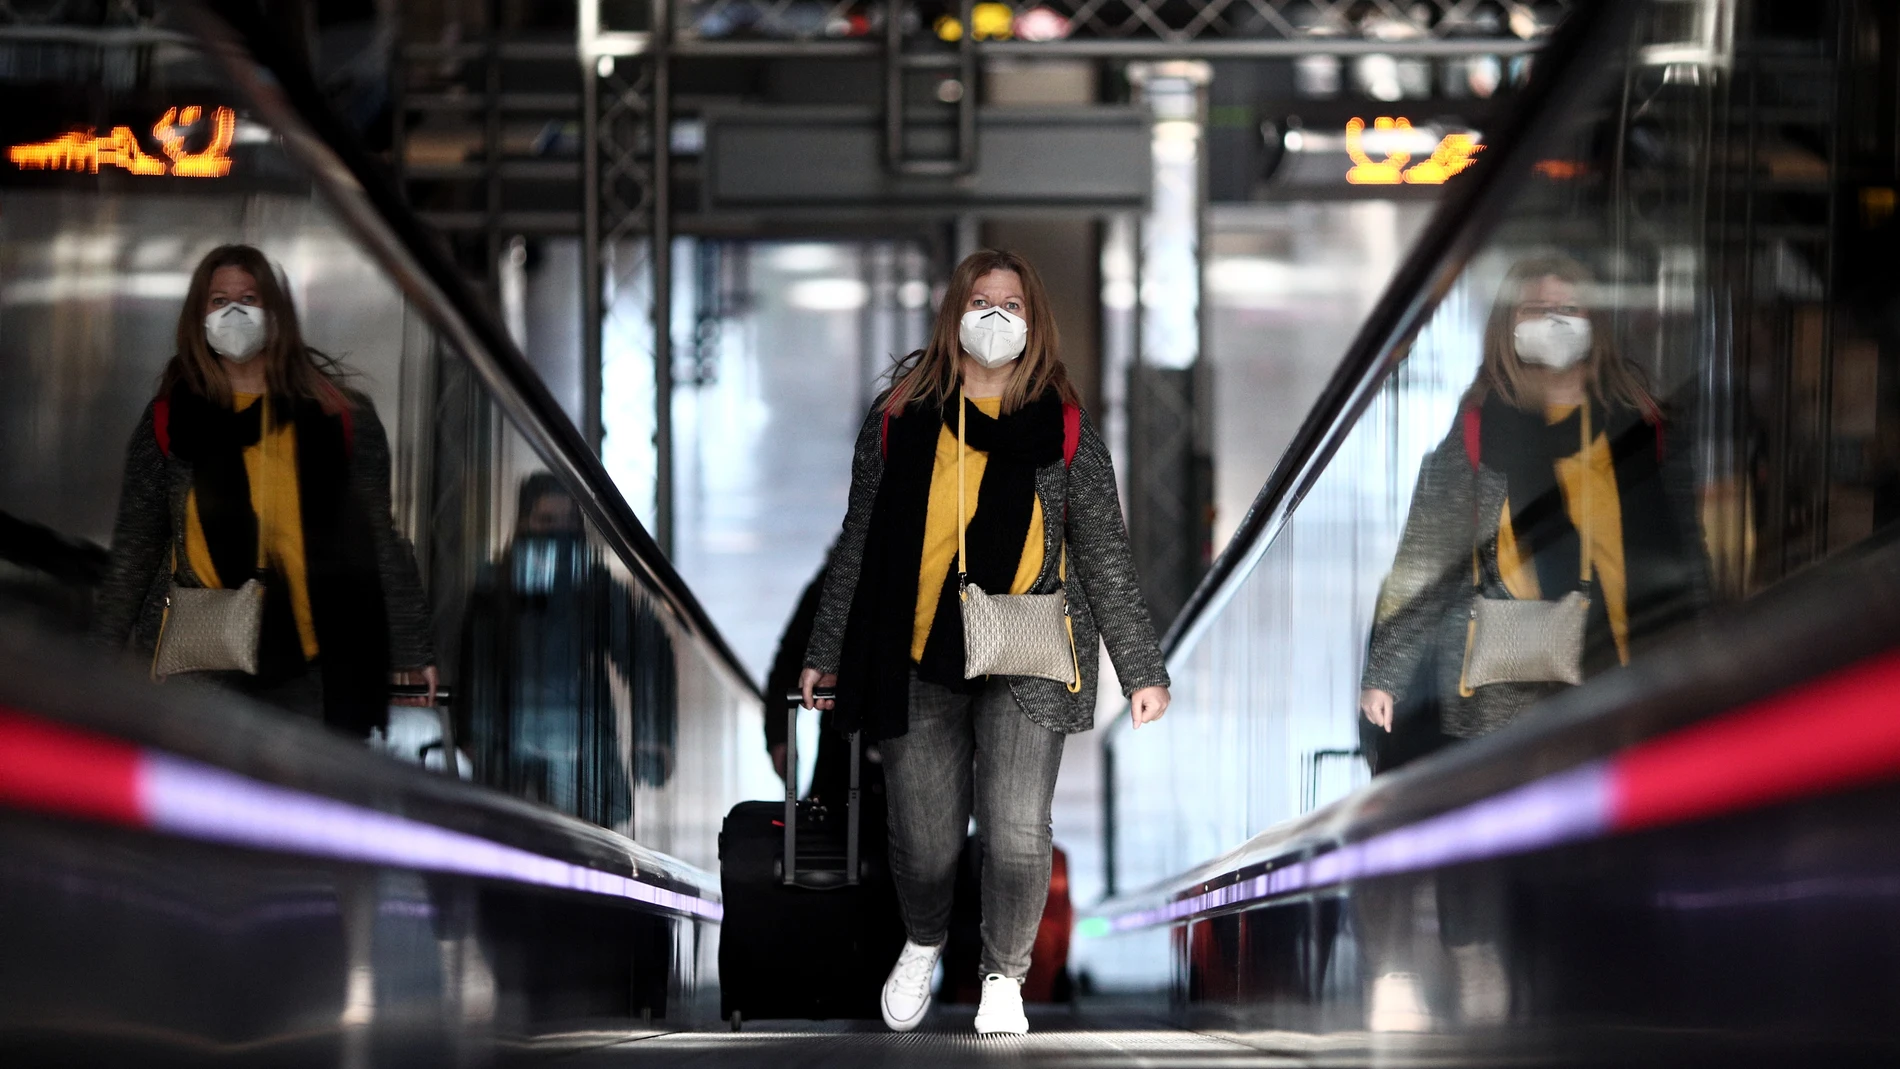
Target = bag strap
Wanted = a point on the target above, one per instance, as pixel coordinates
(963, 577)
(1062, 560)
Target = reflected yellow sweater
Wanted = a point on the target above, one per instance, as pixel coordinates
(271, 467)
(1587, 475)
(940, 526)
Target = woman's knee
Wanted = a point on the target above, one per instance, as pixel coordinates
(1016, 840)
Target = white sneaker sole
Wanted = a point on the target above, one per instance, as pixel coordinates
(994, 1027)
(898, 1024)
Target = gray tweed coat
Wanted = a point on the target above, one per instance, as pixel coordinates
(130, 602)
(1104, 594)
(1425, 602)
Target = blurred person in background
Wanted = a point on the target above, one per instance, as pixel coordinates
(572, 689)
(831, 767)
(256, 460)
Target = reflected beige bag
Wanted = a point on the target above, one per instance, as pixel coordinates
(1511, 640)
(206, 630)
(1013, 634)
(210, 630)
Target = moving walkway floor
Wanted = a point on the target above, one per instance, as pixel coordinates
(1058, 1039)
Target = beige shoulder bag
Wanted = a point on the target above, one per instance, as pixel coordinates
(1510, 640)
(1013, 634)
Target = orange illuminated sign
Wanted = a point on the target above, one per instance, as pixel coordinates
(83, 151)
(1452, 155)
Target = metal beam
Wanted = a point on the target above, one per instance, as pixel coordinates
(1118, 48)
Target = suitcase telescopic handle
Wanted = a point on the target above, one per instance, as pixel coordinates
(793, 702)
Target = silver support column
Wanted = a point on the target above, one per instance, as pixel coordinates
(593, 310)
(660, 104)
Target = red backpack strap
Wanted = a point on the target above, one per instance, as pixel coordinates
(348, 416)
(162, 424)
(1474, 435)
(884, 435)
(1071, 432)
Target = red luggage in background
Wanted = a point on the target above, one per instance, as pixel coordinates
(1048, 979)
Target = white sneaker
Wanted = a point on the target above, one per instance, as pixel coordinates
(1484, 988)
(1001, 1011)
(1395, 1005)
(907, 990)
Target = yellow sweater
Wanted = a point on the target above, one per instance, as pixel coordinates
(271, 466)
(1587, 475)
(940, 526)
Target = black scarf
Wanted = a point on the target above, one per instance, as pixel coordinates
(874, 674)
(1656, 556)
(340, 564)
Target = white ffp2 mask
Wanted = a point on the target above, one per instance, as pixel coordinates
(236, 331)
(993, 336)
(1553, 341)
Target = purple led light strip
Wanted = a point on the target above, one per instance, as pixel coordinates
(201, 802)
(1564, 808)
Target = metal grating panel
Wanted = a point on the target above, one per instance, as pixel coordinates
(1396, 21)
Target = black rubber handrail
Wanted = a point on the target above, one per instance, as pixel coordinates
(1587, 42)
(280, 85)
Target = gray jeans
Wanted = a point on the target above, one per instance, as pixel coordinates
(965, 750)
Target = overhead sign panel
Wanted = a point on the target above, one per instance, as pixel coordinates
(1084, 157)
(175, 132)
(59, 136)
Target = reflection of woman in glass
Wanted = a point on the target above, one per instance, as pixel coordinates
(254, 459)
(1557, 476)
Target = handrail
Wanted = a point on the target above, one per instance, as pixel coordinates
(1589, 36)
(1767, 648)
(367, 200)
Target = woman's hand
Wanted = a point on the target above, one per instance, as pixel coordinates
(410, 679)
(1377, 705)
(811, 679)
(1148, 703)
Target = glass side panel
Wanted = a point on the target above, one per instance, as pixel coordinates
(1666, 382)
(576, 682)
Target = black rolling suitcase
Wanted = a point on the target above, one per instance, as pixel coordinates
(811, 927)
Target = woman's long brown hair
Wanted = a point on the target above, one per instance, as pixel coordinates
(1609, 378)
(932, 374)
(291, 368)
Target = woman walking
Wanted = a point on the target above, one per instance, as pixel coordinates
(977, 472)
(254, 465)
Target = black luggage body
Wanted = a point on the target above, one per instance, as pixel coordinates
(821, 944)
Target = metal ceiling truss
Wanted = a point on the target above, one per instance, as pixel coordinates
(627, 224)
(1134, 29)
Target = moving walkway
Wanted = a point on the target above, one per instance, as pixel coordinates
(1685, 861)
